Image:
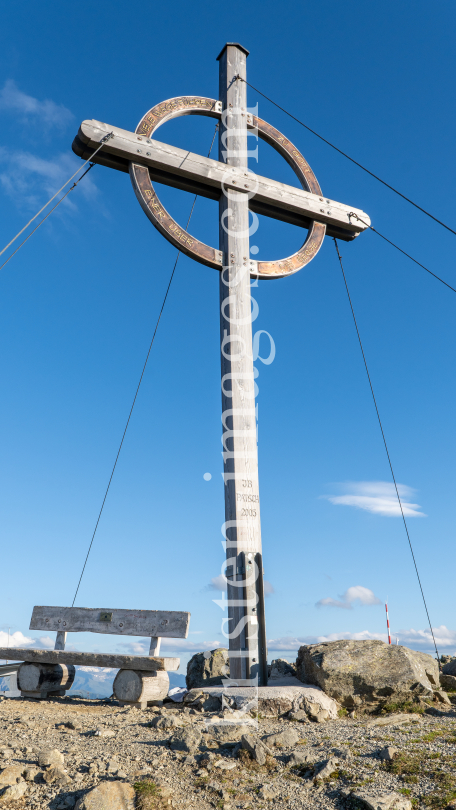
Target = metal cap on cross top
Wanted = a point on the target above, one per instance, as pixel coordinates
(241, 193)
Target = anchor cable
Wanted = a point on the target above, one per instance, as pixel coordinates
(137, 388)
(47, 215)
(352, 214)
(344, 154)
(103, 140)
(386, 449)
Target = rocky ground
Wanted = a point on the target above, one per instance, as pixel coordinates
(97, 755)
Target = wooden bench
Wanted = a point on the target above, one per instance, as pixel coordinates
(140, 679)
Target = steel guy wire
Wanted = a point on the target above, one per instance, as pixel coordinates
(341, 152)
(386, 449)
(47, 215)
(137, 388)
(103, 140)
(352, 214)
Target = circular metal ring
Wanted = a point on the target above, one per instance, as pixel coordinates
(148, 198)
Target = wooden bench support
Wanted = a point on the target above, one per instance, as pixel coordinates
(138, 687)
(44, 680)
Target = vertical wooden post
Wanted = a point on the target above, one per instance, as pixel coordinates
(247, 647)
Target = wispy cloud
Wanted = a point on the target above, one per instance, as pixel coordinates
(29, 109)
(29, 179)
(17, 639)
(415, 639)
(356, 594)
(219, 584)
(168, 645)
(377, 497)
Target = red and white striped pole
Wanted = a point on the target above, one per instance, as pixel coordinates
(388, 624)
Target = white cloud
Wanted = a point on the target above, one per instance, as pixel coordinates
(17, 639)
(29, 109)
(29, 179)
(357, 593)
(377, 497)
(168, 645)
(415, 639)
(219, 584)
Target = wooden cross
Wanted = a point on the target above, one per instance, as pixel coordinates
(239, 191)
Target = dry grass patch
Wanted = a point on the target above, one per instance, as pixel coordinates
(149, 796)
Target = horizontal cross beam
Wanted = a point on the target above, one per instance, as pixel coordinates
(83, 659)
(206, 177)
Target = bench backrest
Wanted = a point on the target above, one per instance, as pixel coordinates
(155, 624)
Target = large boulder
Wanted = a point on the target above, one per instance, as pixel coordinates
(281, 668)
(208, 668)
(367, 673)
(449, 666)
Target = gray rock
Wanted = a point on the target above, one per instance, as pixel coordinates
(442, 697)
(6, 753)
(50, 756)
(57, 775)
(186, 739)
(280, 668)
(226, 732)
(267, 792)
(10, 775)
(208, 668)
(165, 723)
(13, 792)
(300, 757)
(328, 767)
(112, 795)
(299, 717)
(449, 668)
(255, 747)
(31, 773)
(283, 739)
(386, 801)
(371, 670)
(388, 753)
(394, 720)
(448, 681)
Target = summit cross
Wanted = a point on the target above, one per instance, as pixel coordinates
(241, 194)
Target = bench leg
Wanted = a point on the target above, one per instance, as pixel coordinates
(139, 687)
(40, 681)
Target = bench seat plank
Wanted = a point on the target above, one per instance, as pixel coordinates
(113, 660)
(160, 623)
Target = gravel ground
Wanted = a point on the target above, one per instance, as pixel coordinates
(110, 742)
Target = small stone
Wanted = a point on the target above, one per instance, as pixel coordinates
(328, 768)
(13, 792)
(298, 758)
(11, 775)
(255, 747)
(186, 739)
(226, 732)
(108, 796)
(31, 773)
(386, 801)
(299, 717)
(165, 723)
(225, 765)
(50, 756)
(121, 774)
(73, 725)
(388, 753)
(267, 792)
(57, 775)
(442, 697)
(6, 753)
(284, 739)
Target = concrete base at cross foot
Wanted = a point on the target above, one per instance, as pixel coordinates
(280, 696)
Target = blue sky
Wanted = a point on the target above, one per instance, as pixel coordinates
(78, 305)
